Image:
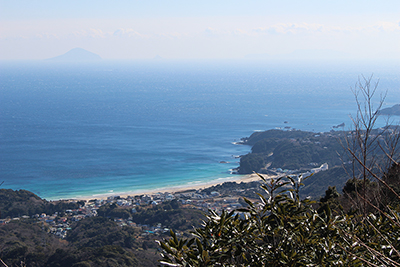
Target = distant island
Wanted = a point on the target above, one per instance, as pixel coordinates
(339, 126)
(394, 110)
(76, 55)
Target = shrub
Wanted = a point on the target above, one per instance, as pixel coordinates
(284, 230)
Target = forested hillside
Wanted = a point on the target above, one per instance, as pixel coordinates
(22, 202)
(279, 152)
(293, 150)
(37, 232)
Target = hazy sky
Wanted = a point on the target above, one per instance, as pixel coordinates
(174, 29)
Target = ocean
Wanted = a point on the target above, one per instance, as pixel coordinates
(79, 130)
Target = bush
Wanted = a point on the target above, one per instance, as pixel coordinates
(283, 230)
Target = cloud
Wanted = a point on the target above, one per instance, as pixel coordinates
(282, 28)
(387, 26)
(127, 33)
(212, 32)
(96, 33)
(92, 33)
(239, 32)
(291, 28)
(171, 35)
(314, 28)
(79, 33)
(119, 32)
(131, 33)
(46, 36)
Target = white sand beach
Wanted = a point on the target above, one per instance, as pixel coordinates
(238, 179)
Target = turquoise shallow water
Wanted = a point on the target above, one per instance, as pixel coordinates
(81, 130)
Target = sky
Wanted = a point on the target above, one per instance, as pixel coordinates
(186, 29)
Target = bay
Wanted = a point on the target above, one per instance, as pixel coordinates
(73, 130)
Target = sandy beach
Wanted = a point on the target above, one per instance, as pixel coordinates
(238, 179)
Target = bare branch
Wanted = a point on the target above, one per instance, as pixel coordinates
(374, 175)
(2, 262)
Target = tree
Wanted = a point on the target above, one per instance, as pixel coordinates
(372, 151)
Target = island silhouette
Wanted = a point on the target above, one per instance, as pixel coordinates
(77, 55)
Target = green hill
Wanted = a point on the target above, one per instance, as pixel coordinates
(292, 150)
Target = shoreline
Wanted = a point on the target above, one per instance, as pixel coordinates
(245, 178)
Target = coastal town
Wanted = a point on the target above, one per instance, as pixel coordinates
(226, 196)
(59, 224)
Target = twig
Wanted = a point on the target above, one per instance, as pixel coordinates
(372, 173)
(354, 255)
(3, 263)
(384, 213)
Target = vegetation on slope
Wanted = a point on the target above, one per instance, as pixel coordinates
(293, 150)
(22, 202)
(27, 241)
(92, 241)
(285, 230)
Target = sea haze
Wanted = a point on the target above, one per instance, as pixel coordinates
(73, 130)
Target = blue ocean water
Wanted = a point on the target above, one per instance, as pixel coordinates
(73, 130)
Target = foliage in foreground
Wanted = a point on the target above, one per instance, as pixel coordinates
(284, 230)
